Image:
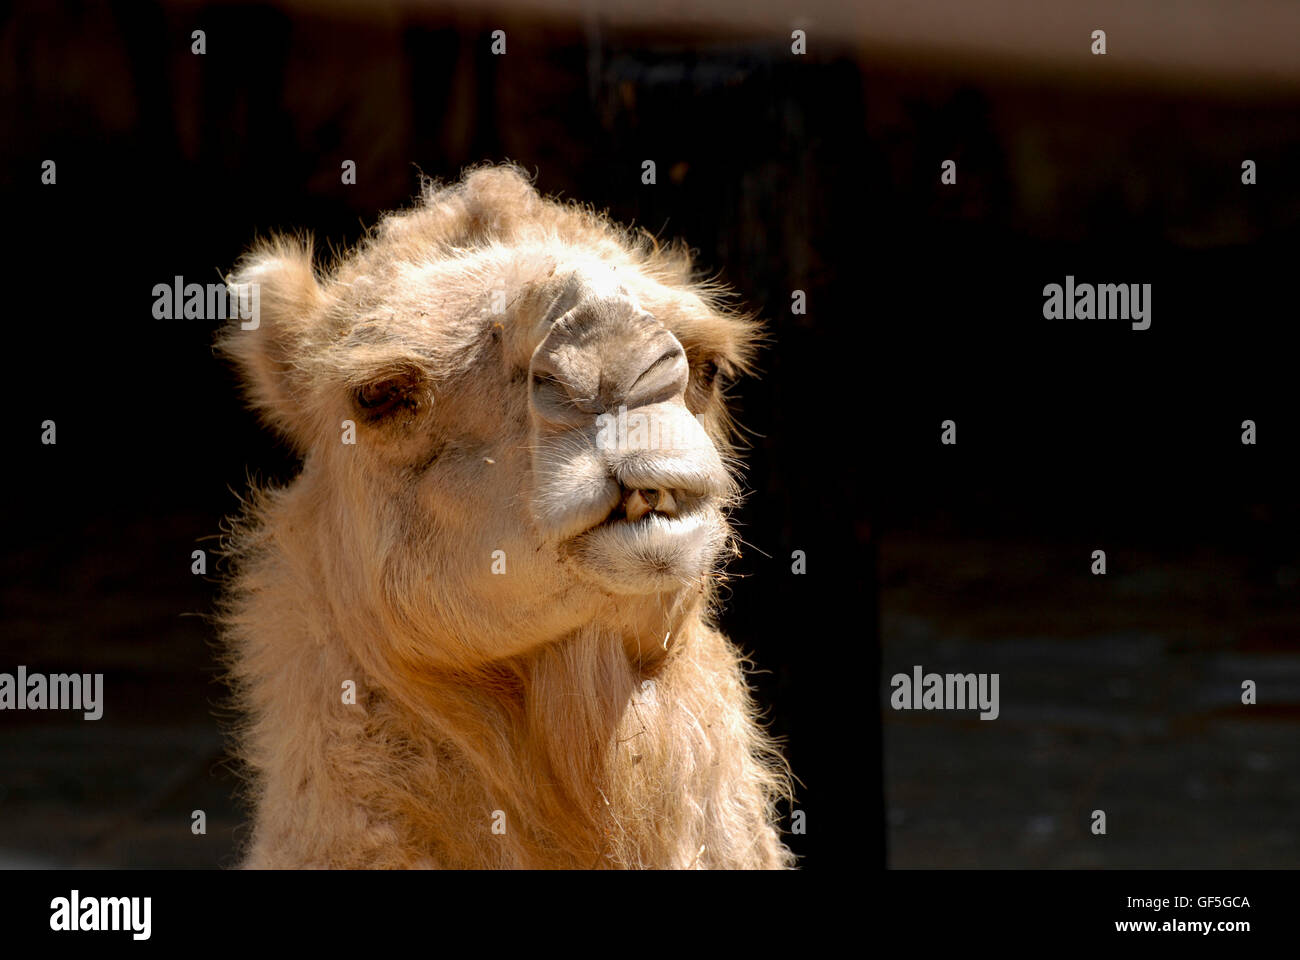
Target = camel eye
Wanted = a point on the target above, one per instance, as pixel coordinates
(374, 395)
(390, 393)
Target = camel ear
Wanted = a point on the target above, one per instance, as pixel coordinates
(280, 304)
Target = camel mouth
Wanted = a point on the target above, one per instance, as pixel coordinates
(578, 492)
(648, 512)
(638, 503)
(655, 539)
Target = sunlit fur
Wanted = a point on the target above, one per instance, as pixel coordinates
(591, 729)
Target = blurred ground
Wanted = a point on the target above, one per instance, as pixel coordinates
(1120, 693)
(118, 791)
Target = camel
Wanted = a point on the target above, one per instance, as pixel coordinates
(478, 629)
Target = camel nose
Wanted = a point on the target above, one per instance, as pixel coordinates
(603, 354)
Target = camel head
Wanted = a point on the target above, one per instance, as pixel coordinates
(511, 418)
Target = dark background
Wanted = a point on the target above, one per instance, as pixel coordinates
(819, 173)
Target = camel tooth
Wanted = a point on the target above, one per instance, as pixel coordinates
(636, 506)
(667, 503)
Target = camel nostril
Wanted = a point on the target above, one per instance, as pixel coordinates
(662, 375)
(557, 399)
(604, 353)
(668, 357)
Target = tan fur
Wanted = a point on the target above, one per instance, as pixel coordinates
(600, 725)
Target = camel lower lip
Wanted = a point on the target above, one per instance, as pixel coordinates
(652, 524)
(619, 520)
(653, 554)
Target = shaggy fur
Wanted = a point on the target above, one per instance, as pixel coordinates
(544, 717)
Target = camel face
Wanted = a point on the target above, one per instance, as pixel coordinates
(624, 477)
(511, 419)
(524, 471)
